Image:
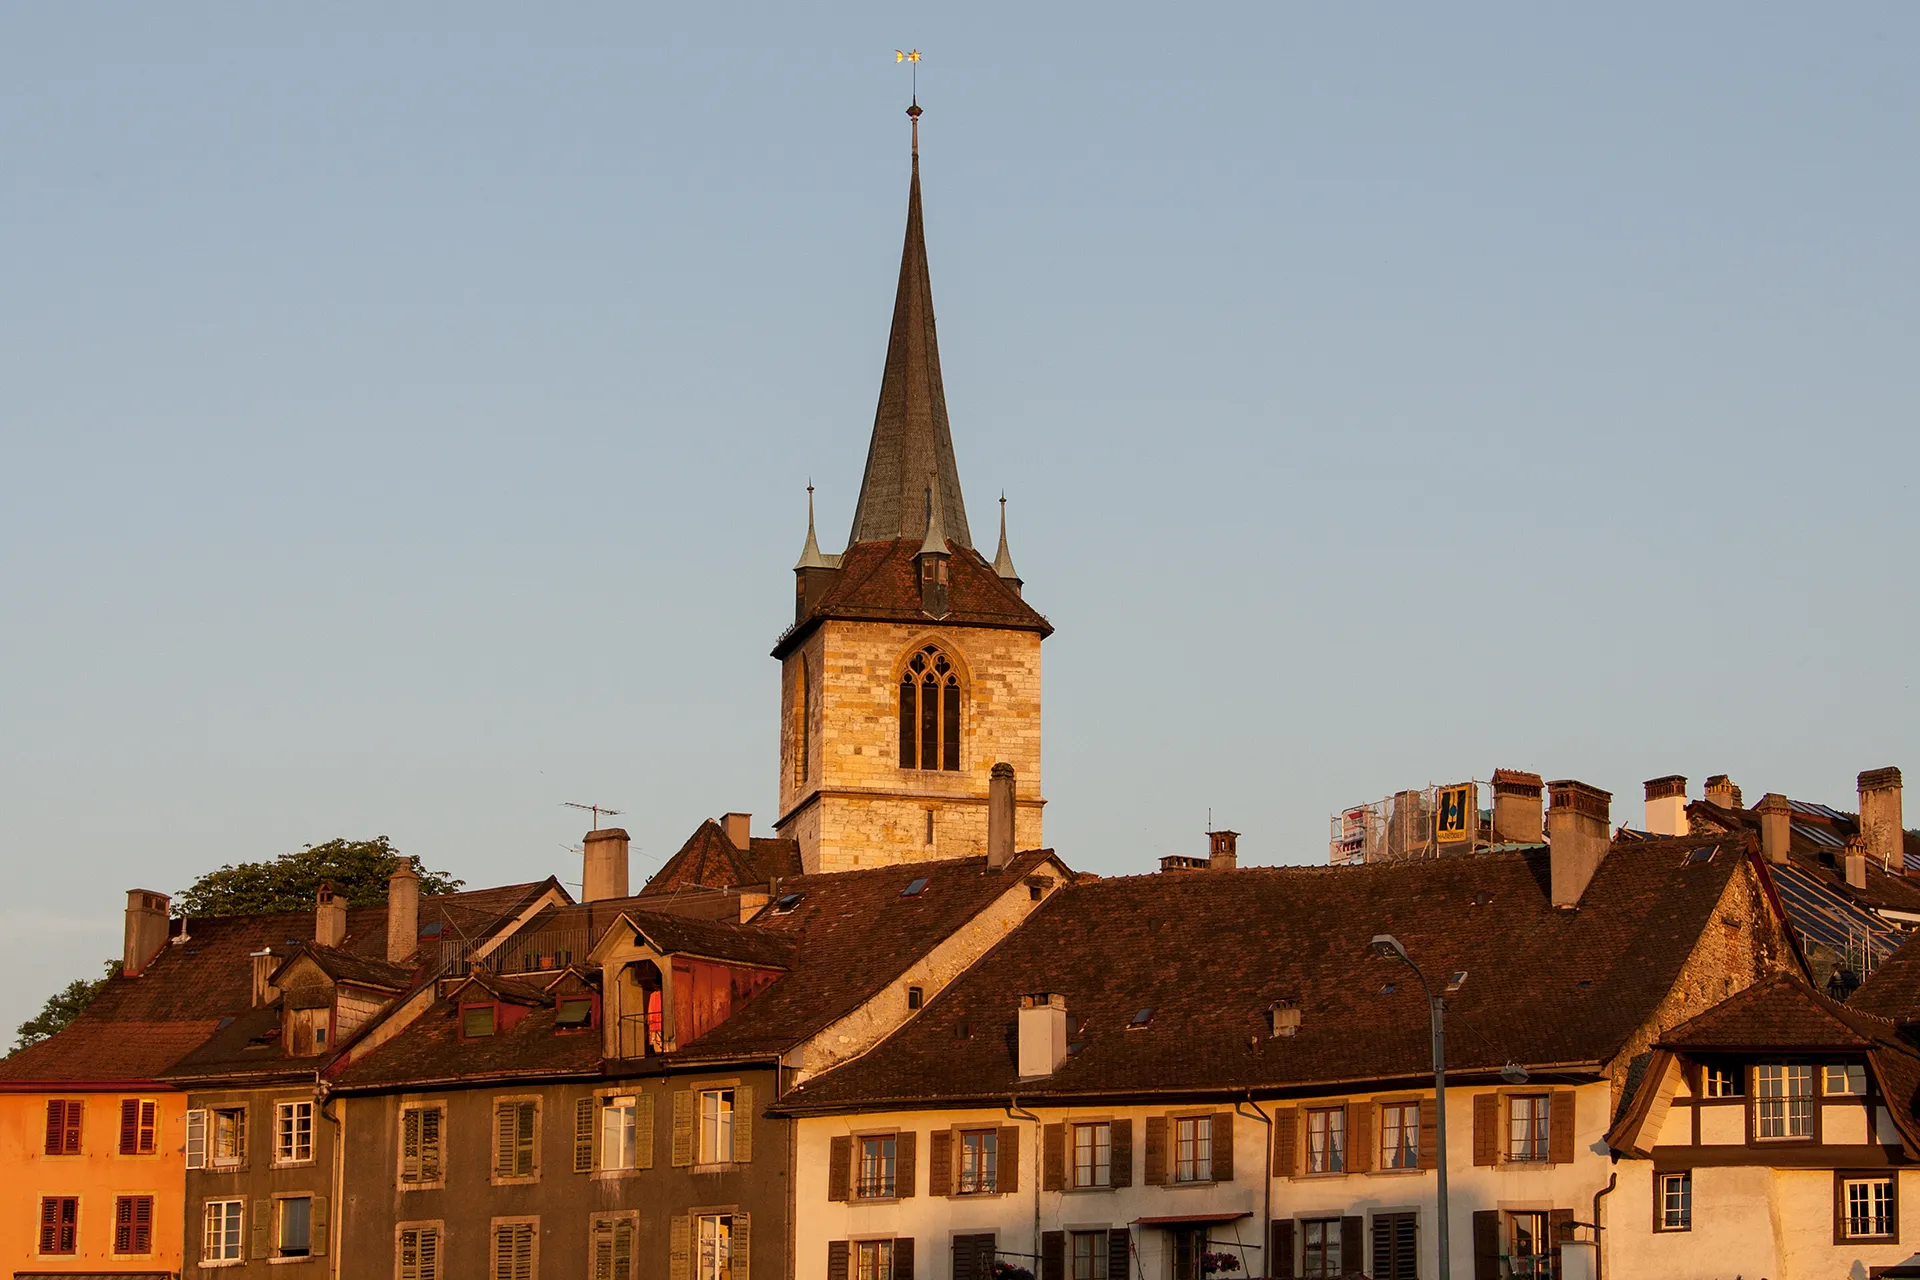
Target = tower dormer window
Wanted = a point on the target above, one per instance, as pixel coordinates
(930, 712)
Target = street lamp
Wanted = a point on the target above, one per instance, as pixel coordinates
(1385, 944)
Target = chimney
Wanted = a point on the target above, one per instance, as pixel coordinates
(329, 917)
(403, 913)
(1721, 791)
(739, 829)
(1043, 1034)
(1223, 850)
(605, 873)
(1516, 807)
(264, 963)
(1667, 806)
(1000, 825)
(1579, 832)
(146, 930)
(1856, 862)
(1776, 827)
(1880, 819)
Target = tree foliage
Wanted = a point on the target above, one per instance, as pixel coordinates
(357, 870)
(63, 1007)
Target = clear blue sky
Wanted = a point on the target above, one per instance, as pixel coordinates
(405, 413)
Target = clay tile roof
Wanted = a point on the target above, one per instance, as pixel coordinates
(709, 860)
(101, 1050)
(1209, 953)
(1893, 989)
(713, 939)
(880, 581)
(1781, 1012)
(344, 966)
(431, 1050)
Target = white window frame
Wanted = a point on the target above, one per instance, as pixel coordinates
(216, 1248)
(716, 1120)
(1675, 1192)
(1878, 1207)
(292, 1133)
(1093, 1155)
(619, 1135)
(1193, 1149)
(712, 1253)
(1720, 1082)
(227, 1122)
(1782, 1101)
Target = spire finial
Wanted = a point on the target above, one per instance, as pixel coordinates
(913, 112)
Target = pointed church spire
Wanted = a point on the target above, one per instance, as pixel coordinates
(1003, 559)
(810, 557)
(912, 446)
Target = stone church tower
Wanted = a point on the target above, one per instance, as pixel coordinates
(913, 664)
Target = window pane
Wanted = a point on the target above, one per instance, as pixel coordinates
(950, 726)
(295, 1221)
(907, 719)
(929, 726)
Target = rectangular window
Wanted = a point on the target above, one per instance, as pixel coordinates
(294, 1236)
(1093, 1155)
(1527, 1127)
(876, 1168)
(229, 1149)
(292, 1132)
(59, 1224)
(1868, 1206)
(1721, 1082)
(618, 1132)
(873, 1260)
(420, 1151)
(220, 1231)
(714, 1255)
(1529, 1251)
(63, 1126)
(133, 1224)
(1676, 1201)
(419, 1249)
(1327, 1140)
(1783, 1101)
(1400, 1135)
(979, 1161)
(610, 1249)
(137, 1124)
(1320, 1252)
(1090, 1249)
(1193, 1149)
(513, 1251)
(1847, 1081)
(476, 1021)
(515, 1138)
(1395, 1241)
(716, 1126)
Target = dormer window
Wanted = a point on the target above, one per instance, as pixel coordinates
(576, 1013)
(476, 1021)
(308, 1031)
(1847, 1081)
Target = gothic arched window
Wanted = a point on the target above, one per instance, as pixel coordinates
(929, 712)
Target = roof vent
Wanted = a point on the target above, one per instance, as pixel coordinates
(786, 902)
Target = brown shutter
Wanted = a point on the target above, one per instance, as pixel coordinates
(903, 1256)
(682, 1127)
(643, 1131)
(584, 1115)
(839, 1168)
(1359, 1138)
(261, 1245)
(1280, 1265)
(317, 1232)
(1486, 1128)
(1286, 1144)
(1054, 1142)
(837, 1260)
(148, 1128)
(526, 1140)
(905, 1151)
(1429, 1137)
(740, 1246)
(940, 1163)
(49, 1225)
(1121, 1163)
(1156, 1150)
(680, 1248)
(129, 1126)
(1053, 1255)
(1559, 1230)
(743, 1124)
(1560, 1127)
(1006, 1161)
(1486, 1243)
(1119, 1252)
(1221, 1145)
(1353, 1238)
(503, 1139)
(56, 1125)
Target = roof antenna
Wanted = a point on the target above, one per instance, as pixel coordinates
(595, 809)
(913, 112)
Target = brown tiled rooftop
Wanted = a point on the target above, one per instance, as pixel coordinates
(709, 860)
(880, 581)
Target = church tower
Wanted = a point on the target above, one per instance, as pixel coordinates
(913, 663)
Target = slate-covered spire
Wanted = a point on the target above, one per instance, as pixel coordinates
(1003, 559)
(810, 557)
(912, 447)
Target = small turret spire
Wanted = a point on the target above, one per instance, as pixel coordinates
(935, 543)
(810, 557)
(1003, 559)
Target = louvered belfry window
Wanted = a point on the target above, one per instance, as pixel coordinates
(930, 712)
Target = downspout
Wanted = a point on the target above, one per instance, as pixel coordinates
(1016, 1111)
(1599, 1250)
(335, 1219)
(1266, 1213)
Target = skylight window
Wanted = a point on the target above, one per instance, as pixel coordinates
(915, 889)
(1141, 1019)
(574, 1012)
(786, 902)
(1703, 855)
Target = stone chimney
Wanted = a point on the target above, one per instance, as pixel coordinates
(1000, 813)
(403, 913)
(1516, 806)
(605, 873)
(146, 932)
(1667, 806)
(1579, 832)
(739, 829)
(329, 917)
(1856, 862)
(1043, 1034)
(264, 963)
(1721, 791)
(1776, 827)
(1880, 819)
(1223, 850)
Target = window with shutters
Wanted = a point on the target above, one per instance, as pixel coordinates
(619, 1120)
(1395, 1247)
(220, 1232)
(59, 1225)
(1529, 1246)
(1089, 1251)
(979, 1162)
(1193, 1149)
(1783, 1101)
(417, 1248)
(610, 1247)
(877, 1163)
(716, 1126)
(138, 1122)
(1327, 1140)
(930, 700)
(713, 1247)
(293, 1227)
(873, 1260)
(63, 1126)
(516, 1139)
(227, 1148)
(1093, 1155)
(1320, 1248)
(421, 1151)
(1527, 1127)
(1867, 1207)
(133, 1225)
(515, 1249)
(1400, 1135)
(1673, 1201)
(293, 1132)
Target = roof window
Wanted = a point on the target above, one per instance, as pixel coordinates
(575, 1013)
(476, 1020)
(433, 929)
(915, 997)
(1141, 1019)
(915, 889)
(786, 902)
(1703, 855)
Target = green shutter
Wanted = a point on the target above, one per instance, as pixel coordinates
(262, 1239)
(743, 1124)
(680, 1248)
(318, 1233)
(643, 1131)
(523, 1146)
(583, 1118)
(738, 1256)
(683, 1127)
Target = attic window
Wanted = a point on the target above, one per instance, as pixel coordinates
(915, 889)
(476, 1021)
(434, 929)
(1481, 898)
(574, 1014)
(1703, 855)
(1141, 1019)
(915, 997)
(786, 902)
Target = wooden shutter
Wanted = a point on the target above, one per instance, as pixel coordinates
(1221, 1145)
(939, 1163)
(56, 1125)
(1560, 1127)
(837, 1268)
(600, 1250)
(430, 1118)
(1486, 1129)
(680, 1247)
(1122, 1160)
(197, 1139)
(1053, 1255)
(1280, 1265)
(1119, 1250)
(149, 1117)
(1156, 1150)
(1486, 1241)
(1006, 1161)
(904, 1173)
(260, 1244)
(409, 1150)
(682, 1127)
(1053, 1141)
(503, 1139)
(643, 1131)
(1359, 1138)
(123, 1224)
(622, 1249)
(585, 1113)
(739, 1248)
(1560, 1230)
(742, 1125)
(50, 1225)
(129, 1127)
(524, 1164)
(1286, 1143)
(1353, 1239)
(1429, 1136)
(840, 1168)
(1383, 1263)
(318, 1233)
(903, 1257)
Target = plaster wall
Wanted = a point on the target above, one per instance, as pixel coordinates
(258, 1181)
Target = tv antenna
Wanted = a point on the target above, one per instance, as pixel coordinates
(595, 809)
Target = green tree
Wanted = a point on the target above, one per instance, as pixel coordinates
(63, 1007)
(357, 869)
